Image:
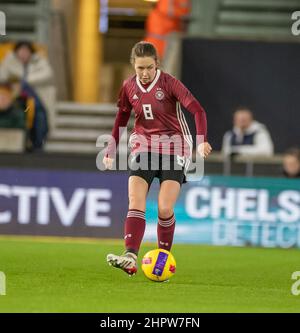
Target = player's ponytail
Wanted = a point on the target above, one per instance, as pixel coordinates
(143, 49)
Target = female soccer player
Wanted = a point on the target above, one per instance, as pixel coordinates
(160, 145)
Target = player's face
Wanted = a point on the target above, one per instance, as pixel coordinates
(145, 69)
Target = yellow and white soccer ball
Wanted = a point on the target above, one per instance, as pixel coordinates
(158, 265)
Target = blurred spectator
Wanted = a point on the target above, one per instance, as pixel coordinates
(38, 129)
(248, 136)
(33, 72)
(166, 17)
(11, 111)
(291, 163)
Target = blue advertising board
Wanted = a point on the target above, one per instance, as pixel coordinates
(62, 203)
(234, 211)
(216, 210)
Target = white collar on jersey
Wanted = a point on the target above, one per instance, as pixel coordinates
(151, 85)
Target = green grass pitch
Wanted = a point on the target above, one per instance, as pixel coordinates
(59, 275)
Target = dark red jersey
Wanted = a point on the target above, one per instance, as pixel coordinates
(160, 125)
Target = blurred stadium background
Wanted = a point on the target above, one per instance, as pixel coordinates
(228, 53)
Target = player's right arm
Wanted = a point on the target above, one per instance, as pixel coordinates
(121, 121)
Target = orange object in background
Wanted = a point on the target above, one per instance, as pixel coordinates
(167, 16)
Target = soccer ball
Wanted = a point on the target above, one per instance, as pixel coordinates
(158, 265)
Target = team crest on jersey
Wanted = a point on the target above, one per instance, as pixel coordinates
(159, 95)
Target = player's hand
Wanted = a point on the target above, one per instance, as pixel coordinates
(204, 149)
(108, 162)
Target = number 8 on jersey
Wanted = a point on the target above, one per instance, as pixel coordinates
(148, 111)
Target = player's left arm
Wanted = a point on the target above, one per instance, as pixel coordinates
(190, 103)
(203, 147)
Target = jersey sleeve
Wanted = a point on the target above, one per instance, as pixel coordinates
(121, 121)
(191, 104)
(181, 92)
(123, 102)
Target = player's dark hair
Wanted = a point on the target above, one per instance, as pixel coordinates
(143, 49)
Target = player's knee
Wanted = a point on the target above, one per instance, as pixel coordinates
(165, 211)
(136, 202)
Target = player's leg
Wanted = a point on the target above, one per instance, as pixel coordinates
(138, 185)
(167, 197)
(135, 222)
(134, 227)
